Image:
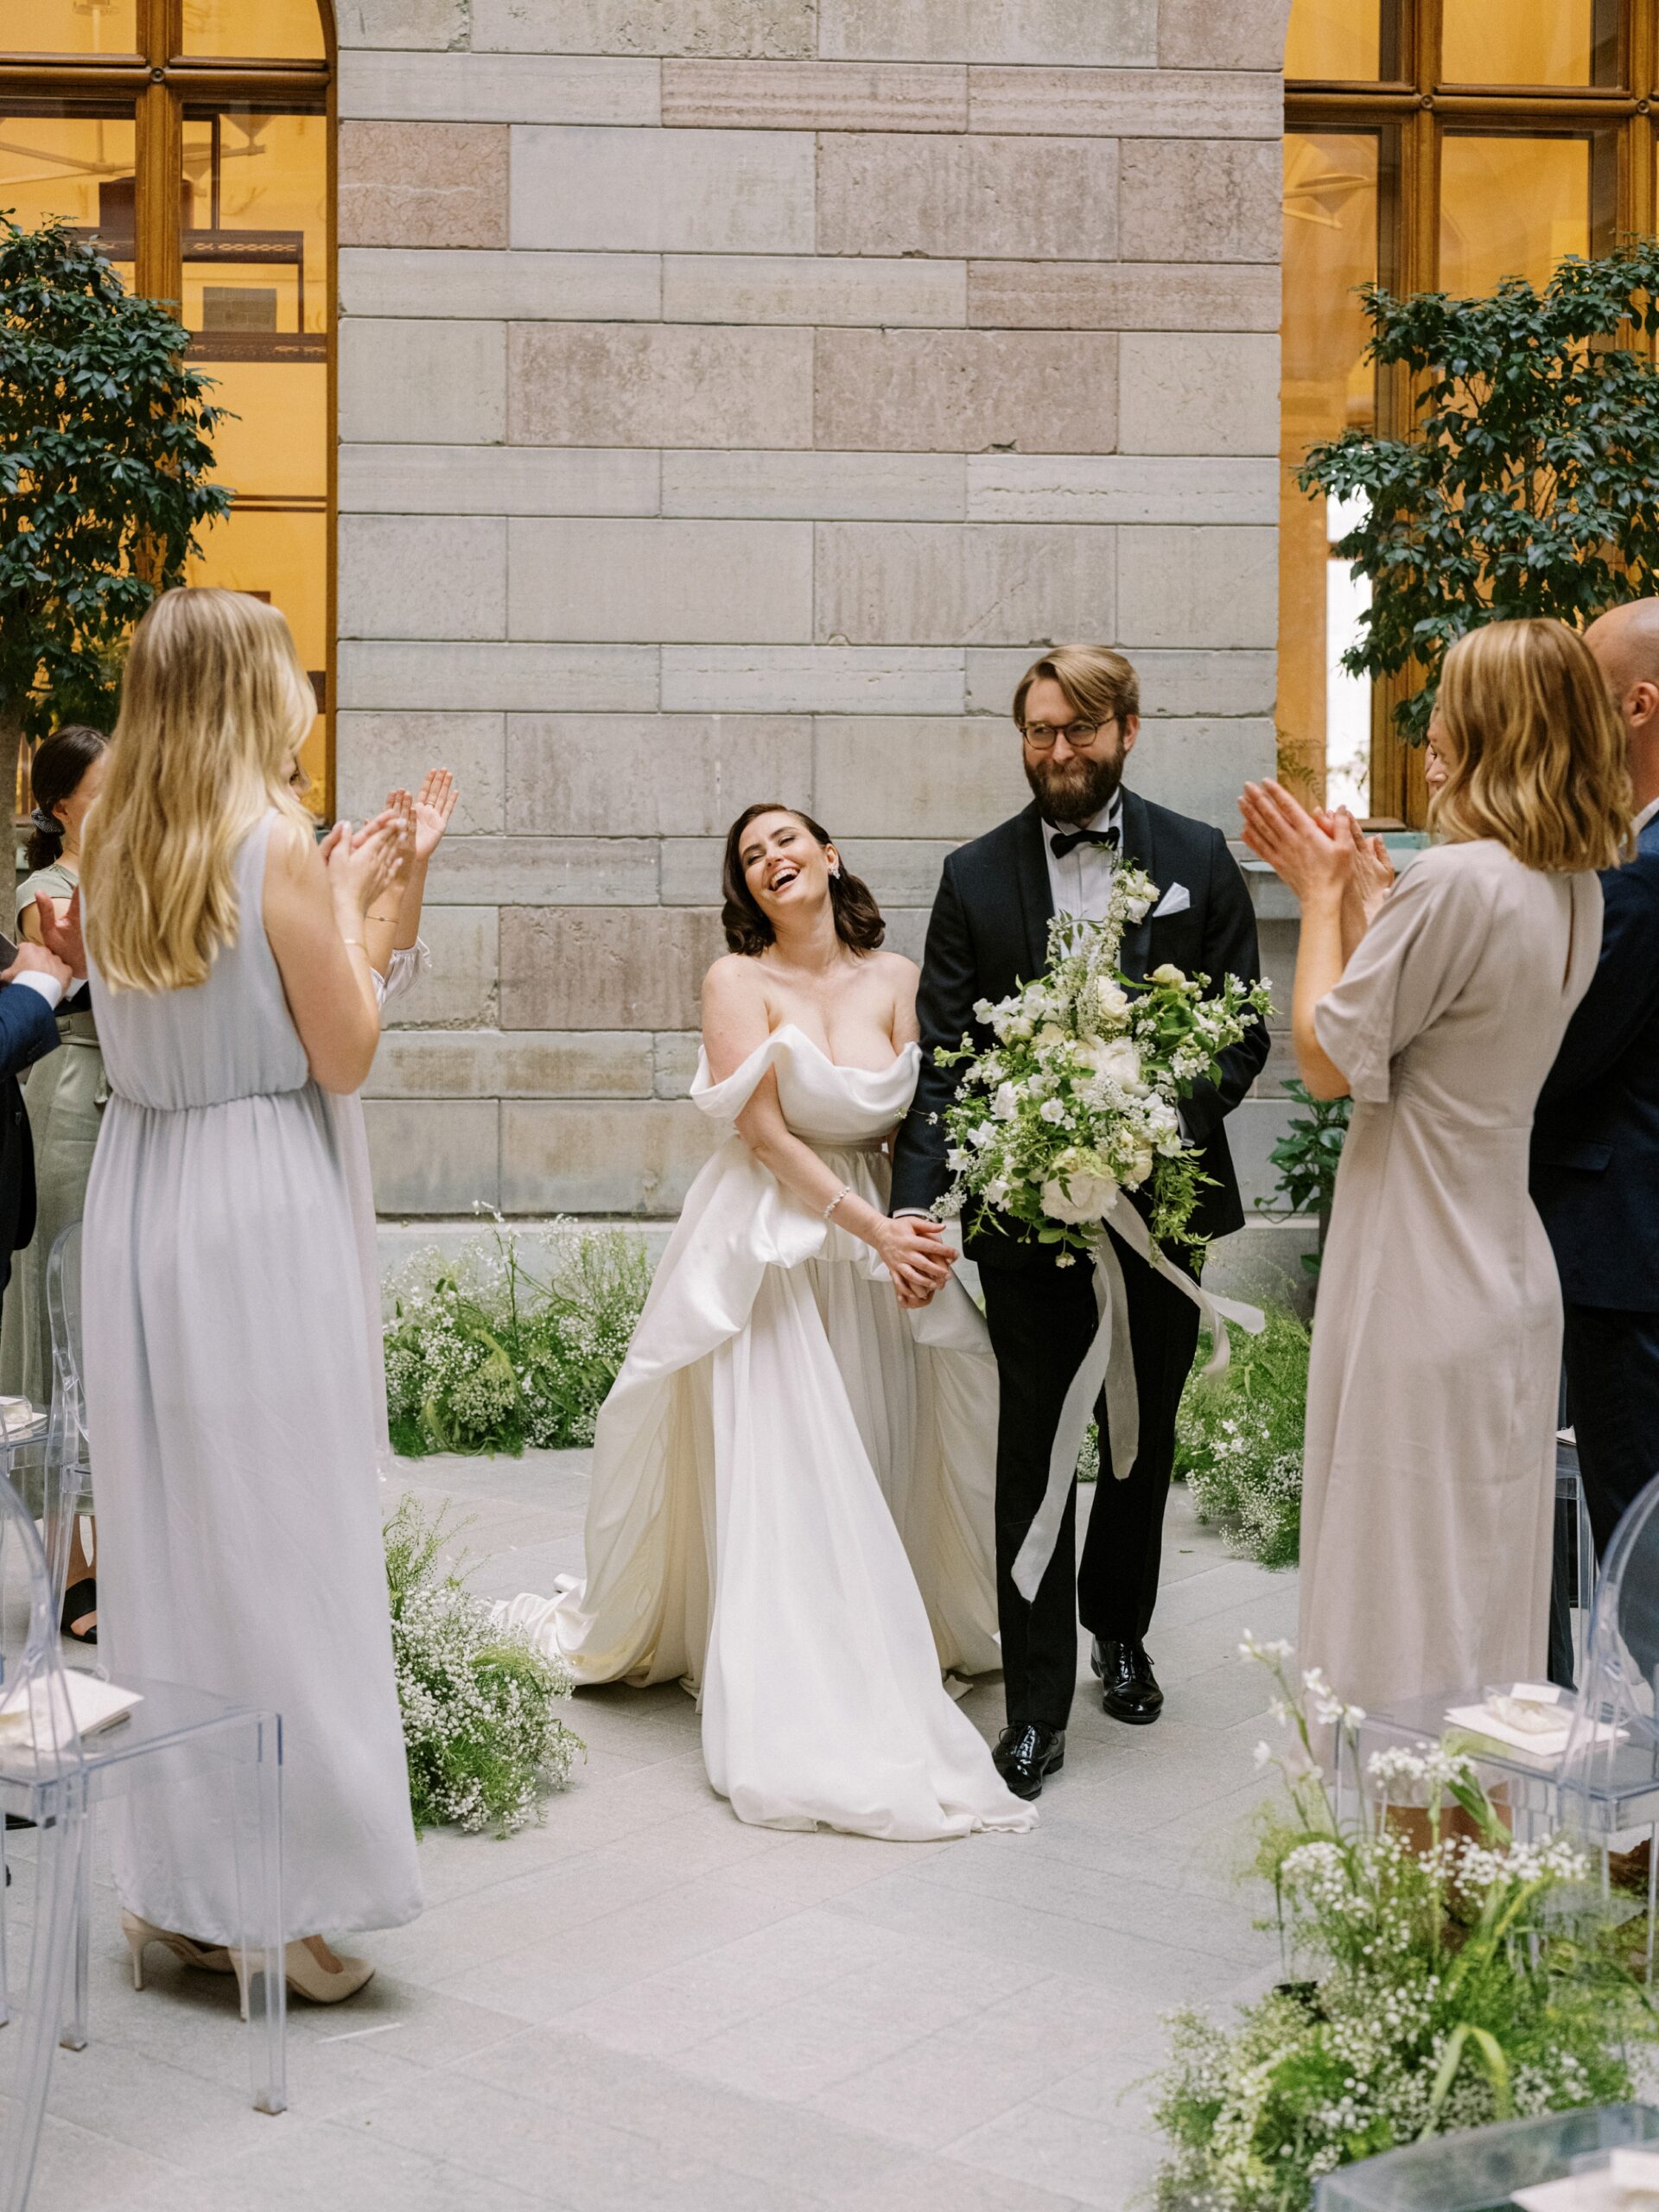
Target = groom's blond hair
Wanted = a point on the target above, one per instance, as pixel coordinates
(1099, 683)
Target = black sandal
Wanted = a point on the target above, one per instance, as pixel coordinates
(79, 1600)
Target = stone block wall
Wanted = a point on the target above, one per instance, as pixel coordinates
(734, 396)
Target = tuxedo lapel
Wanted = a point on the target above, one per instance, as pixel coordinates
(1036, 897)
(1137, 850)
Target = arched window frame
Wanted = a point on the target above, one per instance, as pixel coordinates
(161, 78)
(1422, 105)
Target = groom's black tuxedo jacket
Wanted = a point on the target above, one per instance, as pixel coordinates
(1595, 1140)
(988, 934)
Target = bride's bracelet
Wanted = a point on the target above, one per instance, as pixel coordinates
(845, 1191)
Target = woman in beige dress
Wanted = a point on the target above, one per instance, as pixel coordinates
(1438, 1007)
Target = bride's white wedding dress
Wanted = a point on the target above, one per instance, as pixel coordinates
(792, 1486)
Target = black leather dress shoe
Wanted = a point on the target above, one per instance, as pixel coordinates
(1025, 1753)
(1129, 1688)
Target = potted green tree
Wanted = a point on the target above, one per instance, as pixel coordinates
(1526, 485)
(103, 466)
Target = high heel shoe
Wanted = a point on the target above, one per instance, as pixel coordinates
(305, 1975)
(209, 1958)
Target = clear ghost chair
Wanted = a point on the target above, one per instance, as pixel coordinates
(1603, 1784)
(218, 1762)
(68, 1464)
(1610, 1772)
(43, 1781)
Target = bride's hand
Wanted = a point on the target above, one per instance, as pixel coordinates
(1278, 829)
(916, 1256)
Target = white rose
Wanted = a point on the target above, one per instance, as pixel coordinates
(1052, 1110)
(1050, 1034)
(1079, 1197)
(1116, 1058)
(1141, 1165)
(1167, 972)
(1139, 908)
(1111, 1003)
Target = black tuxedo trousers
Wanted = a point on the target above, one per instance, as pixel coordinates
(1042, 1320)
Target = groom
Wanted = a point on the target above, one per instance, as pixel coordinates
(1076, 711)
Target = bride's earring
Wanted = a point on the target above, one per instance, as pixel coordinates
(834, 871)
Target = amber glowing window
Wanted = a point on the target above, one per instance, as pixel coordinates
(1431, 144)
(220, 204)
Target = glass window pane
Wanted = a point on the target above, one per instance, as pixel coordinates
(1333, 187)
(256, 298)
(1512, 208)
(70, 27)
(277, 30)
(1334, 38)
(76, 162)
(1529, 43)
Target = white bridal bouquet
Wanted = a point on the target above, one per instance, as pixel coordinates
(1079, 1096)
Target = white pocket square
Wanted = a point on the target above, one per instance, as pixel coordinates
(1175, 900)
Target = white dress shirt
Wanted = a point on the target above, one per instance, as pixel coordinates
(48, 986)
(1644, 817)
(1082, 881)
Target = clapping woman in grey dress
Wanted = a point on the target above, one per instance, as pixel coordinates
(229, 1397)
(1439, 1006)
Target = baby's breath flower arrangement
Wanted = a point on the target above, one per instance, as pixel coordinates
(1454, 1975)
(1078, 1096)
(1238, 1441)
(482, 1736)
(484, 1355)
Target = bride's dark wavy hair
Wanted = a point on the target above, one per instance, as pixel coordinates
(858, 918)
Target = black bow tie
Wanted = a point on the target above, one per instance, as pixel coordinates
(1067, 841)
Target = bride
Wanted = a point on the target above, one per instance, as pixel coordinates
(792, 1479)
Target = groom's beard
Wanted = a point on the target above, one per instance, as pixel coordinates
(1077, 791)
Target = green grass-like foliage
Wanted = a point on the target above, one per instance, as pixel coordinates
(1451, 1976)
(485, 1355)
(1238, 1440)
(481, 1731)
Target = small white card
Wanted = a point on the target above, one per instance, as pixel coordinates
(1175, 900)
(28, 1728)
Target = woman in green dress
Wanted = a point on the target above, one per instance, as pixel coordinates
(66, 1094)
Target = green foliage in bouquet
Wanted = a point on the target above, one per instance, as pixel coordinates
(483, 1355)
(104, 462)
(1525, 485)
(1238, 1440)
(1078, 1095)
(1451, 1976)
(481, 1732)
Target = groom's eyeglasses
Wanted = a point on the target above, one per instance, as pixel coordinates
(1040, 736)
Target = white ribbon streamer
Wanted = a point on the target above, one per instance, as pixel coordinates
(1109, 1364)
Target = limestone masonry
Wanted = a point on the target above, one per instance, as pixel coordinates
(733, 395)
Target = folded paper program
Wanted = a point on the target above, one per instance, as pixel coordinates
(1529, 1717)
(1629, 2181)
(33, 1721)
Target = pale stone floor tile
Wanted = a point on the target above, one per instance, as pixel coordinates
(1096, 2161)
(645, 2002)
(943, 2185)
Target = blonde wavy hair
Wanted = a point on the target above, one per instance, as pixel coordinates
(1535, 752)
(213, 705)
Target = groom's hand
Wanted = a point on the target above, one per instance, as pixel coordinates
(913, 1250)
